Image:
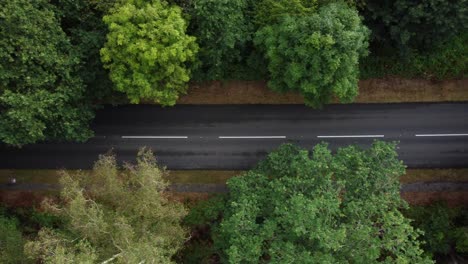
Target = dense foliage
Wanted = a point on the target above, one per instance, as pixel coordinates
(339, 208)
(11, 241)
(447, 59)
(147, 51)
(410, 24)
(317, 55)
(82, 21)
(123, 217)
(223, 31)
(270, 12)
(324, 208)
(445, 229)
(41, 96)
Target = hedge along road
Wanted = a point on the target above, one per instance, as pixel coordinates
(237, 136)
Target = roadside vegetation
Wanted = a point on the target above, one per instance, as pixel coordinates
(61, 59)
(295, 205)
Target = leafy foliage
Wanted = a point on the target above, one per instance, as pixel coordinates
(112, 215)
(409, 24)
(223, 31)
(202, 218)
(317, 55)
(448, 59)
(445, 229)
(326, 208)
(105, 6)
(147, 51)
(270, 12)
(82, 22)
(11, 241)
(41, 96)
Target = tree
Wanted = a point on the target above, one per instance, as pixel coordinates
(113, 215)
(223, 31)
(82, 21)
(324, 208)
(410, 24)
(41, 96)
(147, 50)
(316, 54)
(445, 229)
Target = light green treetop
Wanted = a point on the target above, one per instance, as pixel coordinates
(147, 50)
(113, 215)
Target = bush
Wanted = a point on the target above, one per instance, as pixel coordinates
(447, 60)
(11, 241)
(317, 54)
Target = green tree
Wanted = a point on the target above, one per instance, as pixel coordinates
(115, 215)
(445, 229)
(223, 31)
(41, 96)
(82, 21)
(11, 241)
(270, 12)
(147, 50)
(317, 54)
(411, 24)
(323, 208)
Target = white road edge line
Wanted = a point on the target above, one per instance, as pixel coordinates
(353, 136)
(440, 135)
(155, 137)
(256, 137)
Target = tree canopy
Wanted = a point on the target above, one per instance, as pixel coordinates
(297, 207)
(316, 54)
(147, 50)
(113, 215)
(41, 96)
(223, 30)
(409, 24)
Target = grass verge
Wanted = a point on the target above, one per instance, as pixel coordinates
(221, 176)
(385, 90)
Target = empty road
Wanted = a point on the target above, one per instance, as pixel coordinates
(236, 137)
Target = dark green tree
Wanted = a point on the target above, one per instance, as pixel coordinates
(223, 31)
(41, 96)
(445, 229)
(316, 54)
(82, 21)
(297, 207)
(412, 24)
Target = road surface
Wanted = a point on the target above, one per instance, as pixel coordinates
(236, 137)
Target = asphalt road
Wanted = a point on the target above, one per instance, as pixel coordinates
(236, 137)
